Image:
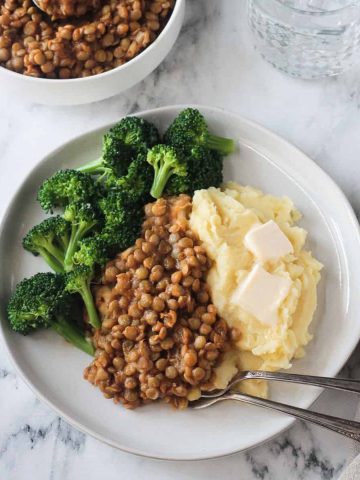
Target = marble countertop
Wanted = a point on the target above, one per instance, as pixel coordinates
(212, 63)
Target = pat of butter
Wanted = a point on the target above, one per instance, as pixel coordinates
(261, 294)
(267, 242)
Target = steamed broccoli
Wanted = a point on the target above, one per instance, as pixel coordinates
(166, 162)
(135, 185)
(50, 239)
(82, 217)
(40, 302)
(121, 145)
(204, 170)
(122, 220)
(120, 238)
(92, 251)
(64, 187)
(189, 129)
(78, 281)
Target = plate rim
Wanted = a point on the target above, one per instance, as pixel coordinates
(203, 108)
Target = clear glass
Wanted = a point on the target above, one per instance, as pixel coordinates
(307, 38)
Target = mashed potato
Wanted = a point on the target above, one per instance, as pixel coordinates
(221, 218)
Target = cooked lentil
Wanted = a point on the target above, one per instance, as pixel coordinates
(112, 33)
(163, 343)
(57, 9)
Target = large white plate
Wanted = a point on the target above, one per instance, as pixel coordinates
(53, 369)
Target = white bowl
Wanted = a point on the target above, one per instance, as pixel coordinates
(77, 91)
(53, 368)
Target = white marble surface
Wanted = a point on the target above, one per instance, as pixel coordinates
(212, 63)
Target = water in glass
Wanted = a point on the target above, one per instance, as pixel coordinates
(307, 38)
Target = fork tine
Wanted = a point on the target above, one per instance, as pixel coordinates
(204, 402)
(213, 393)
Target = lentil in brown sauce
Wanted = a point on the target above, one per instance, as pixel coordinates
(57, 9)
(32, 44)
(161, 336)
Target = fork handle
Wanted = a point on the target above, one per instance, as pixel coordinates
(325, 382)
(348, 428)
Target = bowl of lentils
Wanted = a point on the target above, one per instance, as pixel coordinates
(67, 52)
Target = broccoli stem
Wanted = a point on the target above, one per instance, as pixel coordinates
(57, 253)
(90, 305)
(94, 167)
(64, 243)
(161, 177)
(72, 335)
(53, 263)
(77, 233)
(72, 247)
(225, 146)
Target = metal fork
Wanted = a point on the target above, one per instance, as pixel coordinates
(348, 428)
(325, 382)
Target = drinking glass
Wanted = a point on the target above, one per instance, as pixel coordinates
(307, 38)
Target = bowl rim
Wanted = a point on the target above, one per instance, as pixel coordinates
(89, 431)
(125, 66)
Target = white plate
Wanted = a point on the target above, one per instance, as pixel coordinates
(53, 369)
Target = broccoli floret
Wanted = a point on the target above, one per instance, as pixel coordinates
(65, 187)
(204, 170)
(40, 302)
(50, 239)
(121, 238)
(135, 185)
(78, 281)
(189, 129)
(166, 162)
(92, 251)
(119, 212)
(121, 145)
(122, 220)
(83, 217)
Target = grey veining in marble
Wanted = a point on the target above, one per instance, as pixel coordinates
(212, 63)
